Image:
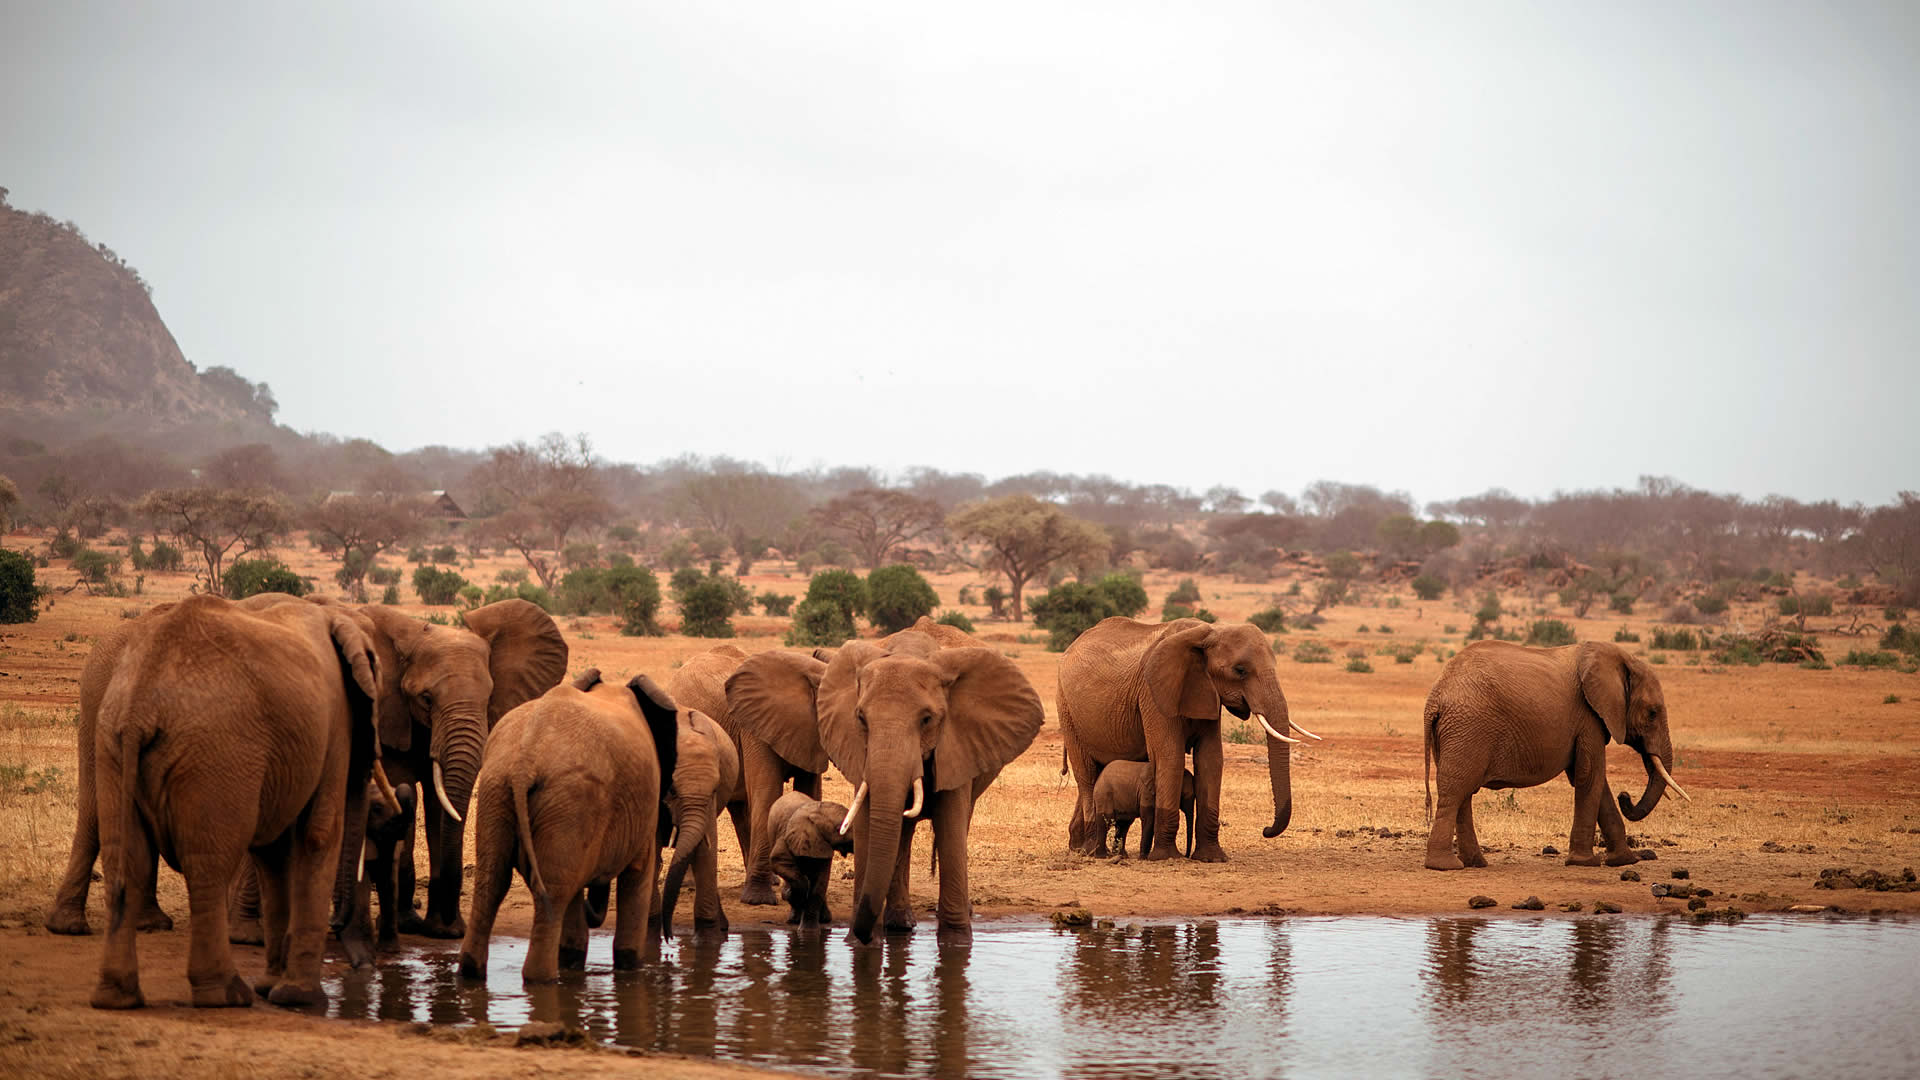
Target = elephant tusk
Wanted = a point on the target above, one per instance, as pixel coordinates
(1301, 730)
(673, 838)
(859, 796)
(1262, 717)
(385, 787)
(360, 870)
(440, 789)
(919, 797)
(1668, 777)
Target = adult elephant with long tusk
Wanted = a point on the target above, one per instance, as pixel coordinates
(1506, 716)
(1139, 691)
(921, 732)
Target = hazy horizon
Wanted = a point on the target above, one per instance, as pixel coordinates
(1433, 250)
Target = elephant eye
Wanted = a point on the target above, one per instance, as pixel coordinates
(1239, 671)
(926, 718)
(860, 715)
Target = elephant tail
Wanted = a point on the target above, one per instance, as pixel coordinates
(1429, 717)
(523, 821)
(123, 896)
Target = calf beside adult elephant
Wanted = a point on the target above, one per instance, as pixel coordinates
(705, 773)
(1139, 691)
(1505, 716)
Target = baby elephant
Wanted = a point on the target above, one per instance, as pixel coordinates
(806, 833)
(1124, 787)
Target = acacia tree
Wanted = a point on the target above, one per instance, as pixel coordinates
(540, 494)
(1024, 536)
(214, 521)
(744, 505)
(359, 528)
(874, 521)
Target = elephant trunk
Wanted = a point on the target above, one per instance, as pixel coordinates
(1656, 786)
(457, 763)
(691, 816)
(1279, 774)
(879, 847)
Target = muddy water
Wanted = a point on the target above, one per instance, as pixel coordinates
(1602, 996)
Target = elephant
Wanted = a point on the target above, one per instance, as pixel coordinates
(921, 732)
(806, 834)
(1505, 716)
(386, 832)
(700, 684)
(770, 701)
(569, 795)
(705, 773)
(1140, 691)
(1123, 793)
(226, 731)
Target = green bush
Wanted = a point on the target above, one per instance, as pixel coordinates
(1551, 632)
(1312, 652)
(956, 619)
(1359, 666)
(471, 596)
(1676, 640)
(165, 557)
(136, 554)
(96, 567)
(1621, 602)
(384, 575)
(678, 555)
(1489, 609)
(897, 596)
(1739, 650)
(391, 596)
(1713, 602)
(513, 576)
(1625, 636)
(63, 545)
(1429, 587)
(774, 603)
(1270, 621)
(435, 586)
(706, 610)
(841, 588)
(1171, 611)
(416, 555)
(1125, 595)
(1068, 610)
(995, 598)
(1186, 593)
(446, 554)
(819, 623)
(1363, 628)
(1868, 658)
(738, 594)
(250, 577)
(19, 598)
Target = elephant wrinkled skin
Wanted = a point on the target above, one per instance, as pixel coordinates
(1505, 716)
(806, 836)
(1123, 794)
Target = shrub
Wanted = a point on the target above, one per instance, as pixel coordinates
(1868, 658)
(1363, 628)
(1270, 621)
(1712, 603)
(1068, 610)
(391, 595)
(1359, 666)
(136, 554)
(966, 595)
(165, 557)
(995, 598)
(1186, 593)
(1890, 699)
(1309, 621)
(738, 594)
(1124, 593)
(1171, 611)
(249, 577)
(1429, 587)
(1683, 613)
(1404, 654)
(416, 555)
(706, 610)
(1621, 602)
(19, 599)
(841, 588)
(1675, 640)
(956, 619)
(1329, 593)
(678, 555)
(1383, 628)
(897, 596)
(1489, 608)
(63, 545)
(774, 603)
(1551, 632)
(446, 554)
(1312, 652)
(1625, 636)
(471, 595)
(820, 622)
(1737, 651)
(511, 577)
(97, 567)
(384, 575)
(435, 586)
(1896, 613)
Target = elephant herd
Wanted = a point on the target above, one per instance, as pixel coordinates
(276, 752)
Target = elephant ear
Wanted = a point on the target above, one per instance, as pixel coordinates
(839, 699)
(808, 836)
(1175, 669)
(771, 696)
(393, 637)
(360, 662)
(663, 721)
(1604, 682)
(527, 656)
(993, 714)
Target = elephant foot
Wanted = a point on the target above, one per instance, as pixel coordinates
(152, 918)
(758, 894)
(471, 968)
(230, 993)
(1588, 859)
(710, 928)
(573, 959)
(359, 952)
(68, 920)
(899, 920)
(538, 976)
(121, 992)
(445, 931)
(410, 922)
(1449, 861)
(1162, 852)
(1473, 859)
(626, 959)
(1207, 853)
(1622, 858)
(953, 936)
(291, 996)
(246, 932)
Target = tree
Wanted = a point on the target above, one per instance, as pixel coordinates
(253, 465)
(537, 495)
(706, 610)
(215, 521)
(1222, 499)
(897, 596)
(1024, 536)
(1070, 609)
(745, 506)
(358, 528)
(9, 498)
(1890, 539)
(19, 598)
(249, 577)
(825, 617)
(874, 521)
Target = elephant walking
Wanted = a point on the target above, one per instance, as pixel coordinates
(1139, 691)
(1506, 716)
(227, 731)
(569, 795)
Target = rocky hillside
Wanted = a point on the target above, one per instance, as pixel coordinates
(79, 337)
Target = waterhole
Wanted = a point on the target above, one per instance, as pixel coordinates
(1592, 997)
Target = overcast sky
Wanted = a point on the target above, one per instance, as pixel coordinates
(1436, 247)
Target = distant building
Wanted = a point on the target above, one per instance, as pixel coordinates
(437, 504)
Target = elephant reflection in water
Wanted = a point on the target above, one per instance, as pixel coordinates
(882, 1001)
(1119, 980)
(1605, 969)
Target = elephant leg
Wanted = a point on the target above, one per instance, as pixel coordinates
(381, 872)
(821, 914)
(270, 871)
(1470, 853)
(1209, 763)
(573, 934)
(1085, 821)
(1446, 817)
(119, 985)
(1122, 825)
(216, 984)
(443, 886)
(952, 819)
(1169, 765)
(742, 826)
(408, 920)
(1613, 829)
(495, 845)
(631, 931)
(313, 863)
(764, 772)
(243, 908)
(543, 943)
(708, 914)
(899, 915)
(1588, 780)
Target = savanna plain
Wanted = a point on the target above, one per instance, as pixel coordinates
(1793, 772)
